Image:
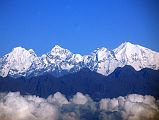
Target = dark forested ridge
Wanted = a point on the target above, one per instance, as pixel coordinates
(121, 82)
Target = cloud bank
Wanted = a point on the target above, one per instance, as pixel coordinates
(14, 106)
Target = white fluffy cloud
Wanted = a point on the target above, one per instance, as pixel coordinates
(79, 98)
(132, 107)
(14, 106)
(57, 99)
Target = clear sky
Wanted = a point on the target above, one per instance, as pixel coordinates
(78, 25)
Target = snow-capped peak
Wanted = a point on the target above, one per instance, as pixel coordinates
(101, 49)
(32, 52)
(57, 54)
(137, 56)
(124, 46)
(59, 51)
(57, 47)
(16, 49)
(102, 53)
(17, 62)
(60, 59)
(20, 51)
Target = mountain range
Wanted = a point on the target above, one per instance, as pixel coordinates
(59, 61)
(125, 70)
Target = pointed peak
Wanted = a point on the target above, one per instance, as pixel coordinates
(127, 44)
(101, 49)
(31, 51)
(130, 45)
(20, 50)
(17, 49)
(57, 47)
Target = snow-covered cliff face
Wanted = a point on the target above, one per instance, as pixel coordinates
(102, 61)
(60, 61)
(137, 56)
(17, 62)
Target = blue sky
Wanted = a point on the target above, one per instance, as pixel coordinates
(78, 25)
